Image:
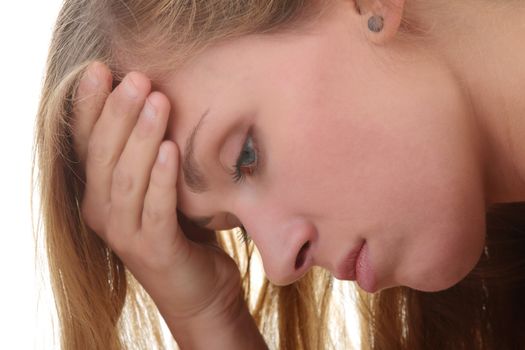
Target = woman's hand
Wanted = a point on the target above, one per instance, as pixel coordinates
(130, 198)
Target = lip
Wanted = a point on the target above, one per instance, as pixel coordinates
(346, 269)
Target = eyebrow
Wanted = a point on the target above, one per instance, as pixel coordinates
(193, 176)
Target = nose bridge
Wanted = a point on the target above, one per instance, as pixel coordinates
(283, 239)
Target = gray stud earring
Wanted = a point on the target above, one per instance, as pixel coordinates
(375, 23)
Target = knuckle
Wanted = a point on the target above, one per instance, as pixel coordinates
(120, 104)
(153, 213)
(98, 153)
(159, 180)
(114, 101)
(122, 180)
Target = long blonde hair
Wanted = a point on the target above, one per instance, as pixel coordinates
(99, 304)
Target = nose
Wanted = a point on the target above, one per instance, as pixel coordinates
(285, 249)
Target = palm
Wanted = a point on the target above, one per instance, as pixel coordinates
(184, 279)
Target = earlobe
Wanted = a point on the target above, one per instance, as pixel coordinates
(382, 19)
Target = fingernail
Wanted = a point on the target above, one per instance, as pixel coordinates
(163, 154)
(92, 76)
(149, 110)
(130, 87)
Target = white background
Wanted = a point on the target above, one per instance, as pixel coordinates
(25, 31)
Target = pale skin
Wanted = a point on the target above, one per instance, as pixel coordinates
(406, 152)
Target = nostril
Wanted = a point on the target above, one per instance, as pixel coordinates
(301, 257)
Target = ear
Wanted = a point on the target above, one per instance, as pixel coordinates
(392, 13)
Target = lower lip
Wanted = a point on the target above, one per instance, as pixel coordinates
(364, 273)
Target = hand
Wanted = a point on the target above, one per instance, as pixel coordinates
(130, 197)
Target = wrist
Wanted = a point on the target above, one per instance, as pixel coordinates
(228, 326)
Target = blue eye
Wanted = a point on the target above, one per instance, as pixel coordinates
(246, 162)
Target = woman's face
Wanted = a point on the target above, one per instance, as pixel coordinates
(337, 142)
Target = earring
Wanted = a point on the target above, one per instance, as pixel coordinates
(375, 23)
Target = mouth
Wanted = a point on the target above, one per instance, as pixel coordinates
(346, 269)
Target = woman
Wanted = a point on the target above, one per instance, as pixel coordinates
(378, 140)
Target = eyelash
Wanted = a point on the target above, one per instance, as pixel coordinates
(241, 170)
(242, 235)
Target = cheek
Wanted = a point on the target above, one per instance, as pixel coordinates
(426, 196)
(407, 182)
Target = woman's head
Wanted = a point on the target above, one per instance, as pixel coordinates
(339, 142)
(357, 136)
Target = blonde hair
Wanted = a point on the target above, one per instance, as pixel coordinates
(99, 304)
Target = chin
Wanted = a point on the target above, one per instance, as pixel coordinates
(435, 286)
(436, 282)
(445, 266)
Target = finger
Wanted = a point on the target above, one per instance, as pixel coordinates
(159, 217)
(133, 170)
(107, 141)
(92, 92)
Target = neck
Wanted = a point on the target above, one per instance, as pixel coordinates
(484, 47)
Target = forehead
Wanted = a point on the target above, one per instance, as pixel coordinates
(201, 82)
(247, 70)
(253, 59)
